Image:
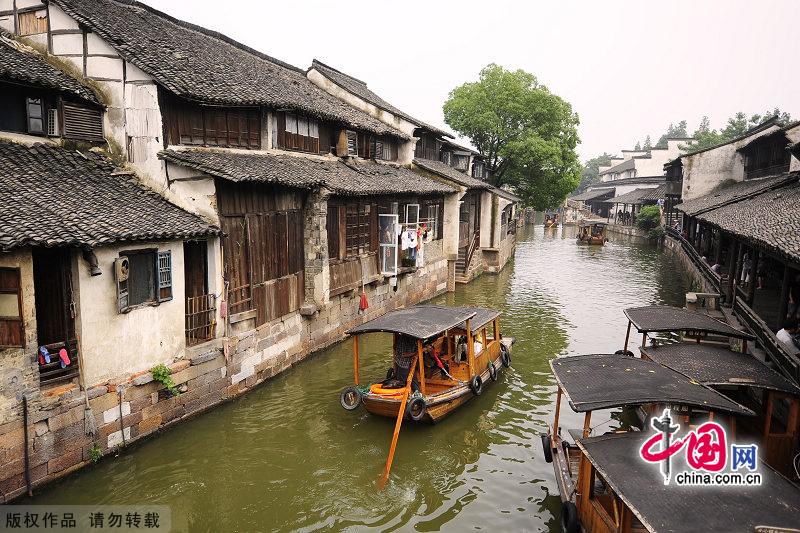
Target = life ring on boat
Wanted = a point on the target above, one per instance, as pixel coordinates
(476, 385)
(624, 352)
(569, 518)
(416, 408)
(390, 373)
(547, 448)
(492, 371)
(505, 355)
(380, 391)
(350, 398)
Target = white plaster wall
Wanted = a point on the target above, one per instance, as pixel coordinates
(193, 191)
(119, 344)
(487, 219)
(705, 171)
(450, 230)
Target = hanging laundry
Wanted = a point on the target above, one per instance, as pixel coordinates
(363, 305)
(411, 235)
(405, 242)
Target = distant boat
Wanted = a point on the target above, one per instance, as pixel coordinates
(592, 232)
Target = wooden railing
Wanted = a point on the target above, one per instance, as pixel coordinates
(789, 364)
(475, 242)
(52, 372)
(201, 312)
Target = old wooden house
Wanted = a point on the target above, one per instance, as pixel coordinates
(247, 215)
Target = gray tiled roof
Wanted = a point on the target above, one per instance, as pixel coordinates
(732, 193)
(203, 65)
(360, 89)
(638, 180)
(446, 171)
(771, 219)
(625, 165)
(21, 64)
(350, 179)
(508, 195)
(639, 196)
(50, 196)
(592, 194)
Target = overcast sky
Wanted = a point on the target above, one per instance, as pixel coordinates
(627, 68)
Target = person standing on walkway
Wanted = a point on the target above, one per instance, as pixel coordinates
(787, 336)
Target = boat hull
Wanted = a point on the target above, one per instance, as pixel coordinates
(438, 406)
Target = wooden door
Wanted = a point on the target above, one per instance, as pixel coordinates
(53, 289)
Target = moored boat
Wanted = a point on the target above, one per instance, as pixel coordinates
(444, 356)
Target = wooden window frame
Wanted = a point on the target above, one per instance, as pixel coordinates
(302, 136)
(18, 319)
(42, 118)
(155, 299)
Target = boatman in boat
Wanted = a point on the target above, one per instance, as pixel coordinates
(404, 351)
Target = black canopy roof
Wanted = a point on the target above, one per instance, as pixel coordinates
(482, 317)
(420, 321)
(776, 502)
(609, 380)
(662, 318)
(713, 365)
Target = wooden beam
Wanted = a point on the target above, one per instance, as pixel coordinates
(558, 411)
(783, 303)
(422, 385)
(355, 357)
(586, 427)
(627, 336)
(470, 352)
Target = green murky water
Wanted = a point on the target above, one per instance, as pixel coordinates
(288, 457)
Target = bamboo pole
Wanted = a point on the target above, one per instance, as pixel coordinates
(355, 357)
(385, 476)
(558, 412)
(470, 352)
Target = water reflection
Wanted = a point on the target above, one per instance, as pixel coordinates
(287, 457)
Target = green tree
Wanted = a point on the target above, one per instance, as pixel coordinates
(527, 134)
(648, 145)
(648, 218)
(673, 130)
(591, 170)
(638, 146)
(736, 126)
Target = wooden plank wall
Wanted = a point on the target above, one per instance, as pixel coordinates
(264, 248)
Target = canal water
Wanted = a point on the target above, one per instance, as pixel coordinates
(287, 457)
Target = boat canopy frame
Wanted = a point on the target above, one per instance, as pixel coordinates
(603, 381)
(665, 318)
(421, 322)
(715, 365)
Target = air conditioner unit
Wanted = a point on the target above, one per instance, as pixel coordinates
(52, 122)
(122, 268)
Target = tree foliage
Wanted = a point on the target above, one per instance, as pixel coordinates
(527, 134)
(649, 217)
(673, 130)
(736, 126)
(591, 170)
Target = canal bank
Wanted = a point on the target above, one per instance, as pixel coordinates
(287, 457)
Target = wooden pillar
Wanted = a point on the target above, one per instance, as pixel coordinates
(470, 351)
(627, 336)
(558, 411)
(644, 340)
(355, 357)
(422, 386)
(732, 269)
(586, 420)
(783, 303)
(496, 329)
(751, 289)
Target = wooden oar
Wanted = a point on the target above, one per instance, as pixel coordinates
(400, 413)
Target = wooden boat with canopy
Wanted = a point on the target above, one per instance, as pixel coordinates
(605, 381)
(740, 376)
(617, 492)
(442, 357)
(551, 219)
(592, 232)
